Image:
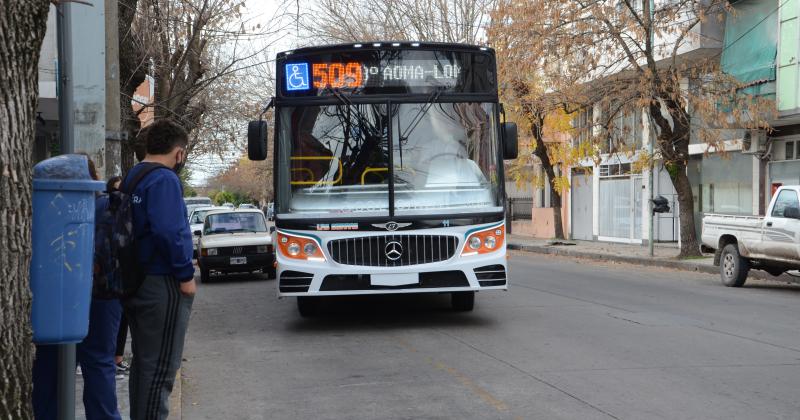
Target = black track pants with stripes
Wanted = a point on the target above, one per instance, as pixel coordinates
(158, 316)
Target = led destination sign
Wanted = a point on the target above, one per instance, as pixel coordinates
(355, 75)
(364, 73)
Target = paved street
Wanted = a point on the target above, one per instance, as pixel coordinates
(572, 339)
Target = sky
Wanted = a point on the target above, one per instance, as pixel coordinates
(257, 12)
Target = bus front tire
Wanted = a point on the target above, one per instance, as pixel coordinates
(462, 301)
(307, 306)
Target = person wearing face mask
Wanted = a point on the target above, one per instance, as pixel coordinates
(158, 313)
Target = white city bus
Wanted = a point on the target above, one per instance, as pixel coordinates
(388, 171)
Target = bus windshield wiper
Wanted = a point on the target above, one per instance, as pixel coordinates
(347, 102)
(403, 137)
(432, 98)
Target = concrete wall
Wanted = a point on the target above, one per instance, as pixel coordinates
(543, 225)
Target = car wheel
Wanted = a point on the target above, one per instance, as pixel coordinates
(733, 268)
(205, 275)
(270, 272)
(462, 301)
(307, 306)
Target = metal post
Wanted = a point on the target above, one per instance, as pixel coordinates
(66, 382)
(66, 122)
(66, 114)
(650, 149)
(114, 135)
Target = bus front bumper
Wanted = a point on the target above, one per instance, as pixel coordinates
(323, 278)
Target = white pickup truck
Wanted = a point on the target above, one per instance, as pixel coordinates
(770, 243)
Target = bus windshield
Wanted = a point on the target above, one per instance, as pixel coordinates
(335, 159)
(445, 158)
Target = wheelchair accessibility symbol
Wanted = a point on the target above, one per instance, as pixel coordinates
(297, 76)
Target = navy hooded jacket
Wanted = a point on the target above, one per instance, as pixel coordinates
(161, 225)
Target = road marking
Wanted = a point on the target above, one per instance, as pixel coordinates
(472, 386)
(485, 395)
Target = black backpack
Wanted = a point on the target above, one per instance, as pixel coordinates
(117, 270)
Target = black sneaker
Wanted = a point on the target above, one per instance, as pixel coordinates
(123, 368)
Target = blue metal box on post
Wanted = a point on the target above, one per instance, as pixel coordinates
(62, 262)
(63, 248)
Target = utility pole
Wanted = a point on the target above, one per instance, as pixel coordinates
(64, 82)
(66, 122)
(114, 134)
(82, 119)
(650, 145)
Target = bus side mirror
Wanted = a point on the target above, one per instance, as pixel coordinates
(257, 140)
(510, 146)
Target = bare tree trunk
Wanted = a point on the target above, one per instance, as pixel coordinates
(22, 28)
(132, 72)
(689, 244)
(673, 143)
(541, 152)
(555, 201)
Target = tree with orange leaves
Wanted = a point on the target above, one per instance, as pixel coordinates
(626, 57)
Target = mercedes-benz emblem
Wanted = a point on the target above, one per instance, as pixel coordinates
(394, 250)
(391, 226)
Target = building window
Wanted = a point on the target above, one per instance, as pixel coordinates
(626, 131)
(615, 169)
(790, 150)
(582, 127)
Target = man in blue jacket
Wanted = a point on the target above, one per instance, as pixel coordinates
(158, 313)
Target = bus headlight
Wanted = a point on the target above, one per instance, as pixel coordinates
(299, 247)
(475, 242)
(485, 241)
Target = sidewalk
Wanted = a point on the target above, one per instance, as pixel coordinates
(122, 398)
(626, 253)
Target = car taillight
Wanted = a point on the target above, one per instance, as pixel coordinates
(485, 241)
(299, 247)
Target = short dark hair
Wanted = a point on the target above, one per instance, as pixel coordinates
(163, 136)
(140, 143)
(110, 184)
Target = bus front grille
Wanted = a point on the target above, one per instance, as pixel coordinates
(393, 250)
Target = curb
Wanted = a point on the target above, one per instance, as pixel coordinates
(643, 261)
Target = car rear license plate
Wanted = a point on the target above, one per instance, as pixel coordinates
(238, 260)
